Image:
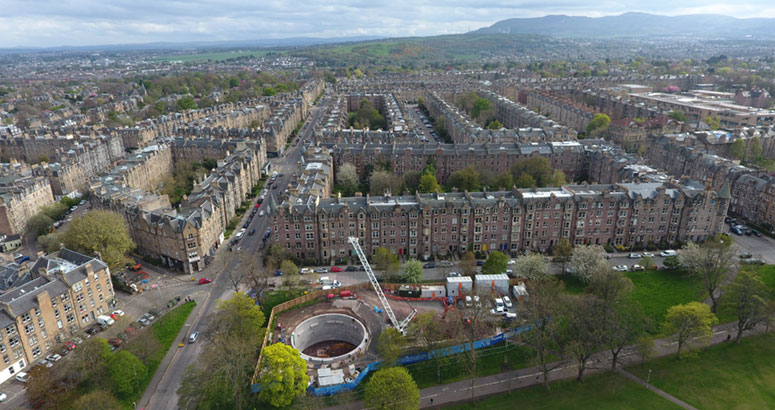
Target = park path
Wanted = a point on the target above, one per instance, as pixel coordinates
(458, 392)
(660, 392)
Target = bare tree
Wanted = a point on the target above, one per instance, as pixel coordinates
(256, 277)
(747, 297)
(472, 324)
(711, 262)
(583, 330)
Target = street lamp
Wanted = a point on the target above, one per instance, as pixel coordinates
(648, 378)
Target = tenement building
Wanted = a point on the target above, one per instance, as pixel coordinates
(427, 225)
(20, 200)
(43, 305)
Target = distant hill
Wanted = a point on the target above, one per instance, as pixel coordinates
(704, 26)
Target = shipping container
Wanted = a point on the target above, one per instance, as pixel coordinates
(459, 285)
(492, 283)
(433, 292)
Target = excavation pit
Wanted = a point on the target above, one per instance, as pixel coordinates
(329, 338)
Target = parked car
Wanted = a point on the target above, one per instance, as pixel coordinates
(245, 227)
(634, 256)
(116, 341)
(507, 302)
(668, 252)
(479, 263)
(192, 338)
(757, 233)
(261, 213)
(647, 255)
(70, 346)
(204, 281)
(636, 268)
(143, 321)
(118, 312)
(453, 275)
(512, 261)
(93, 330)
(752, 261)
(351, 269)
(53, 357)
(251, 232)
(305, 270)
(746, 255)
(22, 377)
(321, 270)
(737, 230)
(278, 272)
(621, 268)
(429, 265)
(335, 269)
(3, 396)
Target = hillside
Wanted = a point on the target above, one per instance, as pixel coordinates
(704, 26)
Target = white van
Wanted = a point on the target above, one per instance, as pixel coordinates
(22, 377)
(668, 252)
(105, 320)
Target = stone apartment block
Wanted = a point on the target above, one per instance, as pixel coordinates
(145, 169)
(197, 149)
(563, 110)
(511, 221)
(629, 134)
(279, 127)
(20, 199)
(43, 305)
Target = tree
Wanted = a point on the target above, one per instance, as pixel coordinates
(558, 179)
(531, 266)
(233, 82)
(587, 261)
(386, 261)
(55, 211)
(583, 329)
(347, 177)
(381, 182)
(538, 310)
(711, 262)
(392, 389)
(97, 400)
(754, 149)
(468, 263)
(599, 122)
(472, 323)
(746, 296)
(647, 262)
(737, 149)
(390, 345)
(495, 264)
(413, 271)
(428, 184)
(525, 181)
(504, 181)
(39, 224)
(100, 231)
(562, 252)
(143, 345)
(495, 125)
(466, 179)
(283, 375)
(237, 316)
(126, 373)
(186, 103)
(426, 328)
(290, 274)
(671, 262)
(269, 92)
(677, 115)
(624, 324)
(713, 122)
(689, 321)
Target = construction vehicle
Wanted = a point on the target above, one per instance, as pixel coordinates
(400, 326)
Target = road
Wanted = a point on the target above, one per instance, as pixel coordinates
(161, 392)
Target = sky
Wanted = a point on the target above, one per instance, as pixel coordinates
(49, 23)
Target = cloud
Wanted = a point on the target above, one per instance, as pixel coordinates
(44, 23)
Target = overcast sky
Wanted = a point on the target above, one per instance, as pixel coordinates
(45, 23)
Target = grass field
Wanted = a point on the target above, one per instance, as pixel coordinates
(604, 391)
(573, 285)
(490, 361)
(657, 291)
(219, 56)
(725, 376)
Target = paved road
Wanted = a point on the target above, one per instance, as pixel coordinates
(161, 391)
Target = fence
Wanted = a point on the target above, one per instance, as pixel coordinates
(414, 358)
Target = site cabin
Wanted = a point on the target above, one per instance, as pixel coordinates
(497, 283)
(459, 285)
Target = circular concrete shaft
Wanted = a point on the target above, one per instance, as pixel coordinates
(331, 332)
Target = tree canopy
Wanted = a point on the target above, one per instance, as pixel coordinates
(100, 231)
(689, 321)
(392, 389)
(599, 122)
(283, 375)
(495, 264)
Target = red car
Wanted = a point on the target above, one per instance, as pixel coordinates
(70, 346)
(115, 341)
(204, 281)
(336, 269)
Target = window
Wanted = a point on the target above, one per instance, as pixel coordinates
(36, 351)
(77, 287)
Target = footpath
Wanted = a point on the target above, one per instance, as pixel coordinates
(458, 392)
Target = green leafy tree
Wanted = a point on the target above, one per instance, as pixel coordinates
(647, 262)
(746, 296)
(737, 149)
(525, 181)
(677, 115)
(386, 261)
(428, 184)
(671, 262)
(186, 103)
(39, 224)
(55, 211)
(466, 179)
(599, 122)
(495, 125)
(413, 271)
(754, 149)
(390, 345)
(495, 264)
(269, 91)
(283, 375)
(558, 179)
(126, 373)
(504, 181)
(233, 82)
(713, 122)
(100, 231)
(689, 321)
(468, 263)
(392, 389)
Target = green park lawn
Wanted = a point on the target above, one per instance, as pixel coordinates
(657, 291)
(725, 376)
(603, 391)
